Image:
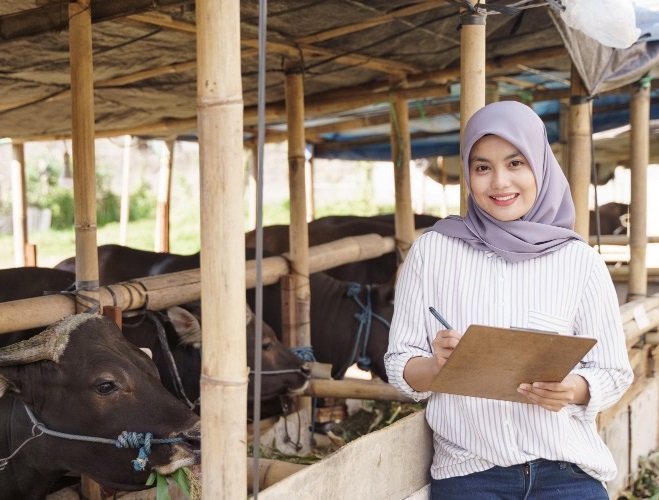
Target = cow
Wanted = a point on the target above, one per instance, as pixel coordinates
(614, 219)
(330, 228)
(79, 398)
(173, 338)
(117, 263)
(349, 321)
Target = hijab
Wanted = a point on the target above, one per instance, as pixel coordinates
(549, 224)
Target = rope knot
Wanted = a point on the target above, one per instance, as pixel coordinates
(136, 440)
(354, 289)
(303, 352)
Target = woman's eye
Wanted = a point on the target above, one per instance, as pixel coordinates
(106, 387)
(516, 163)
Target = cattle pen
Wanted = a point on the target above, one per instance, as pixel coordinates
(377, 79)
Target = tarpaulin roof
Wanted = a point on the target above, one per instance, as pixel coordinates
(350, 52)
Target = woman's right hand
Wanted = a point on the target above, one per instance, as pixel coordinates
(443, 344)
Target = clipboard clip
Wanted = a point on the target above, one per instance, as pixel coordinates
(533, 330)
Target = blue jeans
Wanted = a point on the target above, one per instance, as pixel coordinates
(539, 479)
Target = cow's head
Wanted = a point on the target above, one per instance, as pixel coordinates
(283, 372)
(82, 377)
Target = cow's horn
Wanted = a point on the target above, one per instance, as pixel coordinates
(48, 345)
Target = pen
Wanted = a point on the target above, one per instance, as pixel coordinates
(434, 312)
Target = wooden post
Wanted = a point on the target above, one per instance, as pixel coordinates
(251, 177)
(82, 139)
(639, 114)
(472, 77)
(401, 152)
(164, 196)
(224, 369)
(298, 230)
(299, 234)
(125, 191)
(19, 204)
(311, 199)
(579, 151)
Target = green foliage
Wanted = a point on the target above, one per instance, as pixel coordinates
(60, 202)
(180, 477)
(142, 203)
(645, 481)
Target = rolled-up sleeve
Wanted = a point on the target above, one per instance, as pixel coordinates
(407, 336)
(606, 367)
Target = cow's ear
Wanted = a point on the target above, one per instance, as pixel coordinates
(186, 325)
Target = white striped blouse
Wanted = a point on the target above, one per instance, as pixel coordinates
(569, 291)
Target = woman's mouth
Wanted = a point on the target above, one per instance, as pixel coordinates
(504, 200)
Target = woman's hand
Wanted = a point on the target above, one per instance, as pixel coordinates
(554, 396)
(443, 344)
(421, 371)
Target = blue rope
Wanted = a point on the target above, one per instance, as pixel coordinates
(365, 320)
(303, 352)
(125, 440)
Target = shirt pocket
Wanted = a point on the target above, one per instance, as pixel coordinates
(541, 320)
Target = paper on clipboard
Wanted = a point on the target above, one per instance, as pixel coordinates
(491, 362)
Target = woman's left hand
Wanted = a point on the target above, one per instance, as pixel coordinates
(554, 396)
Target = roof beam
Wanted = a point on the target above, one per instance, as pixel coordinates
(54, 16)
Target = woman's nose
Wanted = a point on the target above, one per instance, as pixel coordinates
(500, 179)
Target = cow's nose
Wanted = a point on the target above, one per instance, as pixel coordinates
(305, 370)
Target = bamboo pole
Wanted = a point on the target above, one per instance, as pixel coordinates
(84, 176)
(19, 204)
(639, 115)
(251, 176)
(171, 289)
(125, 191)
(300, 294)
(164, 196)
(579, 151)
(472, 77)
(84, 170)
(299, 233)
(353, 388)
(401, 153)
(271, 472)
(224, 372)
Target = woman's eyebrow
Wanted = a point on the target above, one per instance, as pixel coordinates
(473, 159)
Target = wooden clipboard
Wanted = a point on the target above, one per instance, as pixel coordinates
(491, 362)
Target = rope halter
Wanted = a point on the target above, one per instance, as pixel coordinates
(125, 440)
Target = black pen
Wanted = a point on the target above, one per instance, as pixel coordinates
(434, 312)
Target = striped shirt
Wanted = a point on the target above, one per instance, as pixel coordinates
(569, 291)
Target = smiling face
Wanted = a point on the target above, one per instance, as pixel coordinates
(501, 179)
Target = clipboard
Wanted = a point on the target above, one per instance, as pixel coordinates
(491, 362)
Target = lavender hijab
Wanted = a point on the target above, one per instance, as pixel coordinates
(549, 223)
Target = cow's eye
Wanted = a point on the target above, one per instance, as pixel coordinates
(106, 387)
(268, 346)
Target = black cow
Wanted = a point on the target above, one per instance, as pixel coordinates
(349, 321)
(614, 219)
(117, 263)
(82, 378)
(181, 328)
(333, 227)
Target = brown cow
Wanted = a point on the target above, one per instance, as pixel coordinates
(95, 397)
(181, 328)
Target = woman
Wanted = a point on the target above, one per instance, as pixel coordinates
(512, 260)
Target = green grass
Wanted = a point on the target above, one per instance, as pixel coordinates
(54, 246)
